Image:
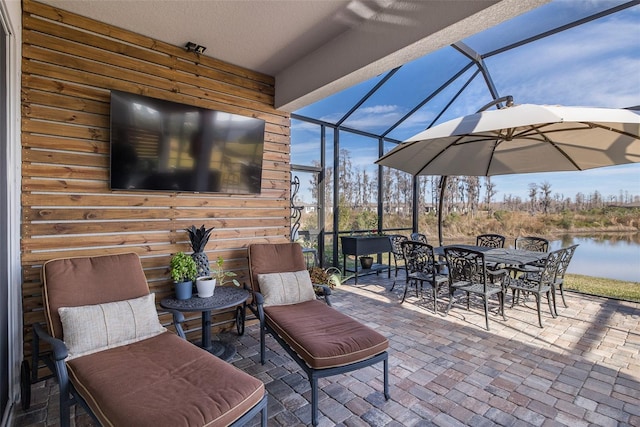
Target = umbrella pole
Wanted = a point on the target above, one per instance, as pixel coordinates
(443, 185)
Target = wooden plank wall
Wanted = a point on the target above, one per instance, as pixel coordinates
(70, 64)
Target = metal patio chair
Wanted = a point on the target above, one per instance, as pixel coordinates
(419, 237)
(490, 240)
(538, 284)
(468, 272)
(398, 255)
(565, 259)
(421, 267)
(531, 243)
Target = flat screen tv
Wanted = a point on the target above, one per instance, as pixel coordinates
(166, 146)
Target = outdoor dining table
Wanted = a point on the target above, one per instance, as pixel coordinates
(507, 256)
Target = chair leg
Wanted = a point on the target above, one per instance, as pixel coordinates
(451, 291)
(314, 400)
(435, 299)
(262, 344)
(538, 304)
(513, 297)
(395, 278)
(406, 288)
(486, 311)
(562, 294)
(65, 415)
(65, 407)
(385, 368)
(264, 419)
(501, 297)
(552, 304)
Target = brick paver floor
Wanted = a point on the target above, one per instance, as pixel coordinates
(581, 369)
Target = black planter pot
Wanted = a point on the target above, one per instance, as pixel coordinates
(366, 262)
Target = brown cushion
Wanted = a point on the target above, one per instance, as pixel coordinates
(73, 282)
(323, 336)
(274, 258)
(163, 381)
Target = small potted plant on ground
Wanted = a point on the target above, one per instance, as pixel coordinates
(330, 277)
(183, 273)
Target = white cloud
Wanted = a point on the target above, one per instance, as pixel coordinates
(593, 65)
(380, 109)
(374, 117)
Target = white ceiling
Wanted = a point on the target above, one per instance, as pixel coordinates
(313, 48)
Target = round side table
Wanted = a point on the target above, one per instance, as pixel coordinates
(223, 297)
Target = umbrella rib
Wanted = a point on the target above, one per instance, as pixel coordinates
(587, 126)
(493, 151)
(478, 137)
(454, 142)
(398, 149)
(553, 144)
(610, 129)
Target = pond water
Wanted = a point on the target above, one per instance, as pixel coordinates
(606, 255)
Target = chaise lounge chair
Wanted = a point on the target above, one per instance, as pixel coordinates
(322, 340)
(121, 364)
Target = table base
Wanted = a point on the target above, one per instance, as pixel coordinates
(220, 349)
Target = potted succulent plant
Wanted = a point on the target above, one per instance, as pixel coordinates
(183, 272)
(221, 276)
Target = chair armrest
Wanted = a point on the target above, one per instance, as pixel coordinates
(325, 292)
(258, 298)
(58, 347)
(178, 319)
(257, 305)
(55, 360)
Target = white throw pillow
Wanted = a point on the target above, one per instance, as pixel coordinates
(286, 288)
(92, 328)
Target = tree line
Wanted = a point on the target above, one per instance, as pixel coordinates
(466, 194)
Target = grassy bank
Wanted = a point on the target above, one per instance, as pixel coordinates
(513, 224)
(627, 291)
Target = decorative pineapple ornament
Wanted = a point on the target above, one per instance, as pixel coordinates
(199, 238)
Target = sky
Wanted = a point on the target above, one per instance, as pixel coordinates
(596, 64)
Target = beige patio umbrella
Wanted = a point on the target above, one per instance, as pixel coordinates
(521, 139)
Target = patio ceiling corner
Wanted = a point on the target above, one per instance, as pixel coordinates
(400, 33)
